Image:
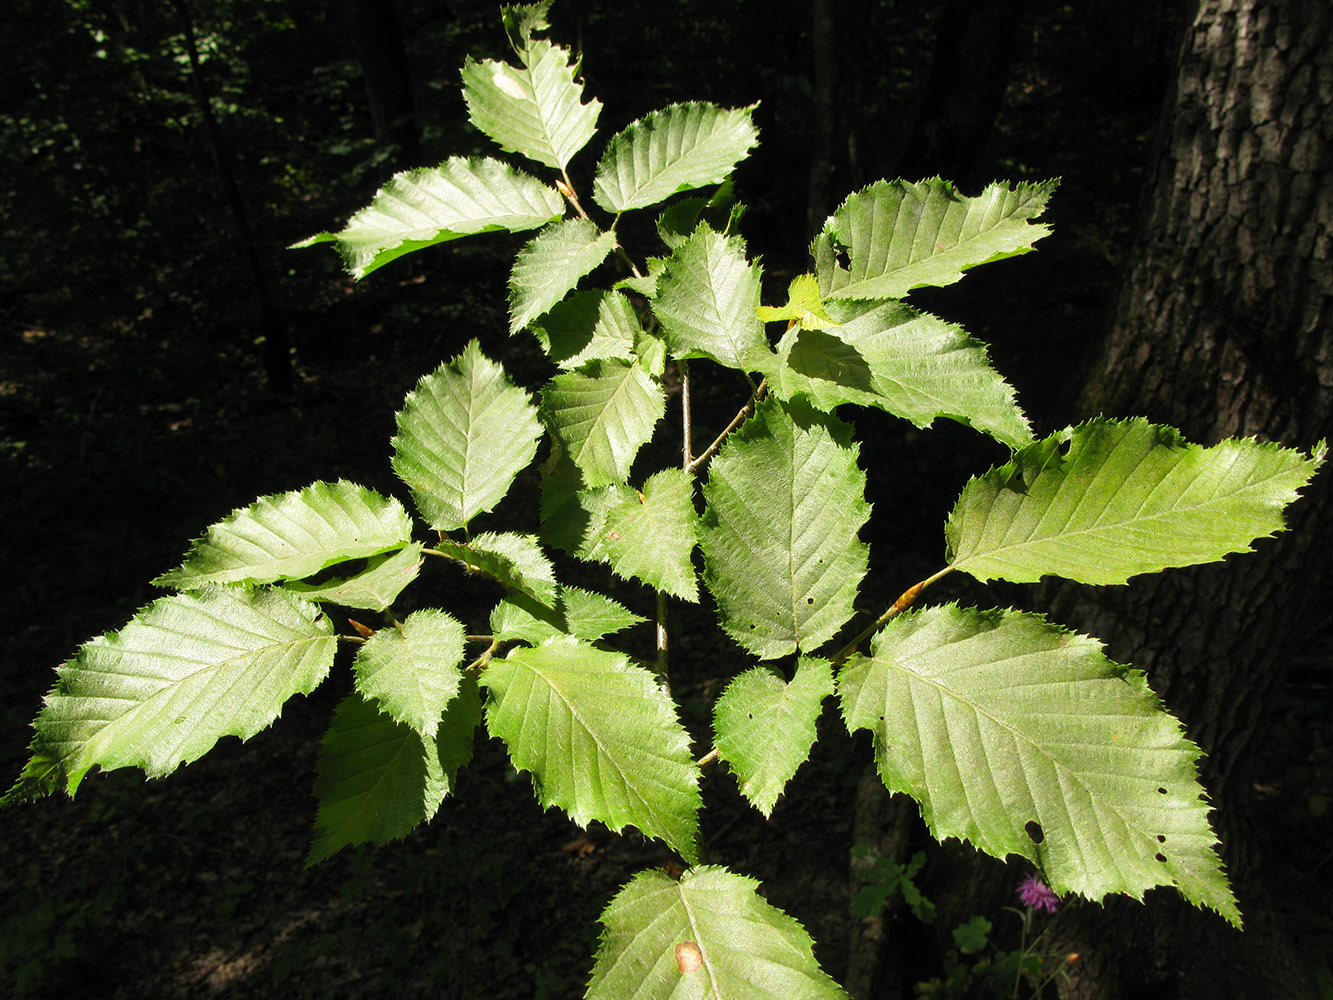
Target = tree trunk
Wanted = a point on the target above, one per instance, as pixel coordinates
(388, 77)
(1223, 328)
(273, 338)
(974, 54)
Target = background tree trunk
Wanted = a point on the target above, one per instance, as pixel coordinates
(382, 55)
(1222, 328)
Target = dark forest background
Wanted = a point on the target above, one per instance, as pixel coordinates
(164, 359)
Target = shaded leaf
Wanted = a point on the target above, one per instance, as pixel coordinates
(375, 587)
(379, 779)
(588, 325)
(516, 561)
(583, 614)
(904, 362)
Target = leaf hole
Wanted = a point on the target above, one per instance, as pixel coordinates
(1161, 790)
(1034, 831)
(1161, 838)
(809, 600)
(1160, 857)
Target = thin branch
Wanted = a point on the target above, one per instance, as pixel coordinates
(904, 601)
(736, 421)
(688, 446)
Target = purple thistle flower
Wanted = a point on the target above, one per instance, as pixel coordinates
(1033, 892)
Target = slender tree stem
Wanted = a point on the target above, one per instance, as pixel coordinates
(736, 421)
(688, 447)
(904, 601)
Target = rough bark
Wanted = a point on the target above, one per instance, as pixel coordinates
(1222, 328)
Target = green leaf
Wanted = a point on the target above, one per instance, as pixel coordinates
(1107, 500)
(785, 500)
(706, 299)
(679, 148)
(899, 236)
(379, 779)
(804, 308)
(535, 109)
(412, 670)
(551, 264)
(292, 535)
(187, 670)
(588, 325)
(764, 726)
(602, 415)
(516, 561)
(600, 738)
(521, 20)
(714, 923)
(464, 433)
(905, 362)
(1023, 738)
(583, 614)
(375, 587)
(420, 208)
(648, 536)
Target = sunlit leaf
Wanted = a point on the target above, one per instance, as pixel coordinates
(515, 561)
(708, 936)
(784, 505)
(292, 535)
(1023, 738)
(599, 736)
(412, 670)
(464, 433)
(551, 264)
(602, 415)
(1109, 499)
(420, 208)
(764, 726)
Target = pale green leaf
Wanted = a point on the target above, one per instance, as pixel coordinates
(1023, 738)
(375, 587)
(292, 535)
(521, 20)
(679, 148)
(714, 923)
(602, 415)
(764, 726)
(804, 307)
(379, 779)
(412, 670)
(785, 500)
(600, 738)
(1107, 500)
(535, 109)
(186, 671)
(516, 561)
(897, 236)
(420, 208)
(706, 298)
(464, 433)
(648, 535)
(583, 614)
(903, 361)
(588, 325)
(551, 264)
